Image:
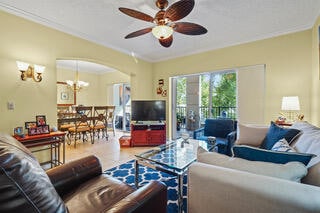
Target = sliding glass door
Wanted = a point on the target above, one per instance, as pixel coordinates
(197, 97)
(238, 94)
(122, 101)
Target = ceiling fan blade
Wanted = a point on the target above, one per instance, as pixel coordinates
(179, 10)
(166, 42)
(139, 33)
(136, 14)
(189, 28)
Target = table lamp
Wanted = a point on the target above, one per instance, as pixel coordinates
(290, 104)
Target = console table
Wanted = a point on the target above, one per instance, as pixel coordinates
(51, 141)
(148, 134)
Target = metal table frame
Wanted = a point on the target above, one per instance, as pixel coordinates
(51, 141)
(179, 174)
(163, 167)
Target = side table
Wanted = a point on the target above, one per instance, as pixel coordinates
(51, 141)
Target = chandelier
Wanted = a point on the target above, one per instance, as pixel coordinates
(77, 85)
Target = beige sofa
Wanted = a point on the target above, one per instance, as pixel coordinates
(218, 183)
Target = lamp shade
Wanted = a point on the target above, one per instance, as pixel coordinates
(38, 68)
(22, 65)
(290, 103)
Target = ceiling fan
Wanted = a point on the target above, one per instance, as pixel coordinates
(165, 21)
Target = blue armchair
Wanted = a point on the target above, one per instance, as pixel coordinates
(223, 129)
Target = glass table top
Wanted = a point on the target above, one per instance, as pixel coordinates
(174, 154)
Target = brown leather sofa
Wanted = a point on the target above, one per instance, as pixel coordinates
(78, 186)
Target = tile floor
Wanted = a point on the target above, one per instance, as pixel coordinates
(108, 151)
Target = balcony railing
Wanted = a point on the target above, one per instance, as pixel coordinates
(216, 112)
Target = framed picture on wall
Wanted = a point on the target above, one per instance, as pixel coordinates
(64, 96)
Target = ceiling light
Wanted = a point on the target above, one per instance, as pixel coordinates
(77, 85)
(162, 31)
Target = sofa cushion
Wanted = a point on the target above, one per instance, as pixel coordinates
(257, 154)
(293, 171)
(313, 176)
(275, 133)
(25, 187)
(309, 141)
(99, 194)
(251, 135)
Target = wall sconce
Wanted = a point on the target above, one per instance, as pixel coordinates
(28, 71)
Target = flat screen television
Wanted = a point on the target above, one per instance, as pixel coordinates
(148, 110)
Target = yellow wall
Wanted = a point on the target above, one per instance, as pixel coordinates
(315, 83)
(96, 93)
(291, 64)
(30, 42)
(288, 68)
(88, 96)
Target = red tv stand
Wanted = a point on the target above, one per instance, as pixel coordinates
(148, 134)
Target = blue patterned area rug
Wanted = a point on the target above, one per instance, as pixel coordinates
(125, 173)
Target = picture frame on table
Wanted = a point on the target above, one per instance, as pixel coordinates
(30, 124)
(44, 129)
(41, 120)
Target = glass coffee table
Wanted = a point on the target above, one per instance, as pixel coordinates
(173, 158)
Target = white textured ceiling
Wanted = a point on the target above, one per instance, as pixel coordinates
(229, 22)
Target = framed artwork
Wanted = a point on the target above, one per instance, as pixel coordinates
(45, 129)
(30, 124)
(64, 96)
(39, 130)
(41, 120)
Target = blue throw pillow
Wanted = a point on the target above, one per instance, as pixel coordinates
(257, 154)
(275, 133)
(292, 135)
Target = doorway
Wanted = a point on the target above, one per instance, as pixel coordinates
(122, 101)
(237, 93)
(202, 96)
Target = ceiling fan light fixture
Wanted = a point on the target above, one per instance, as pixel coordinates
(162, 31)
(165, 21)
